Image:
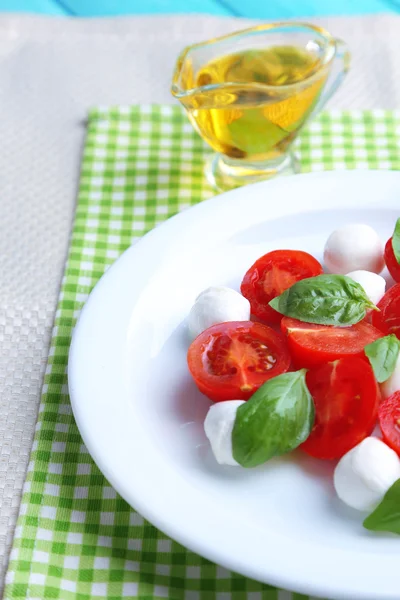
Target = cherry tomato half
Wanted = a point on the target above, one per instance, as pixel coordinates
(389, 420)
(388, 319)
(346, 397)
(271, 275)
(311, 345)
(230, 361)
(391, 261)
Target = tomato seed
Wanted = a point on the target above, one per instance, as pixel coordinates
(223, 359)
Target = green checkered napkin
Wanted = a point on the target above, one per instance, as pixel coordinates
(76, 539)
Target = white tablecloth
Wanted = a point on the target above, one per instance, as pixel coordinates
(51, 72)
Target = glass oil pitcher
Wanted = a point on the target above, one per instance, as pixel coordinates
(248, 95)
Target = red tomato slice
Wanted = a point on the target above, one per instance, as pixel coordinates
(312, 345)
(271, 275)
(388, 319)
(346, 397)
(230, 361)
(391, 261)
(389, 420)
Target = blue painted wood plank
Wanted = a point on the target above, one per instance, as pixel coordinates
(309, 8)
(44, 7)
(266, 9)
(86, 8)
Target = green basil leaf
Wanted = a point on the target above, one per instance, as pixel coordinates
(276, 419)
(325, 299)
(396, 241)
(386, 516)
(382, 355)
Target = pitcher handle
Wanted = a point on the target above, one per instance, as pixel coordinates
(343, 55)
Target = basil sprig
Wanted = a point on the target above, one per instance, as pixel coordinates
(382, 355)
(325, 299)
(386, 516)
(276, 419)
(396, 241)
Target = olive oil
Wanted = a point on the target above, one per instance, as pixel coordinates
(255, 101)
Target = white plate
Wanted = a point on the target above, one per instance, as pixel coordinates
(141, 416)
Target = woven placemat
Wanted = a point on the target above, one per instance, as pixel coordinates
(76, 539)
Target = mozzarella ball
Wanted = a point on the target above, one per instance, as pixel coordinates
(392, 385)
(218, 426)
(374, 285)
(364, 475)
(354, 248)
(214, 305)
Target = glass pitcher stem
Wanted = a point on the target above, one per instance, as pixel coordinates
(225, 173)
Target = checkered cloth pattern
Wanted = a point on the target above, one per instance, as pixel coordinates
(76, 539)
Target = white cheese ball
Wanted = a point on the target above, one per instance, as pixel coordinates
(392, 385)
(354, 248)
(218, 426)
(364, 475)
(214, 305)
(374, 285)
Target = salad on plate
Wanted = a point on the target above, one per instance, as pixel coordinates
(309, 358)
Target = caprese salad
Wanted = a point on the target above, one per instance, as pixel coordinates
(308, 359)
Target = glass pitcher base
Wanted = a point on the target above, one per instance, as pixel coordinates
(224, 174)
